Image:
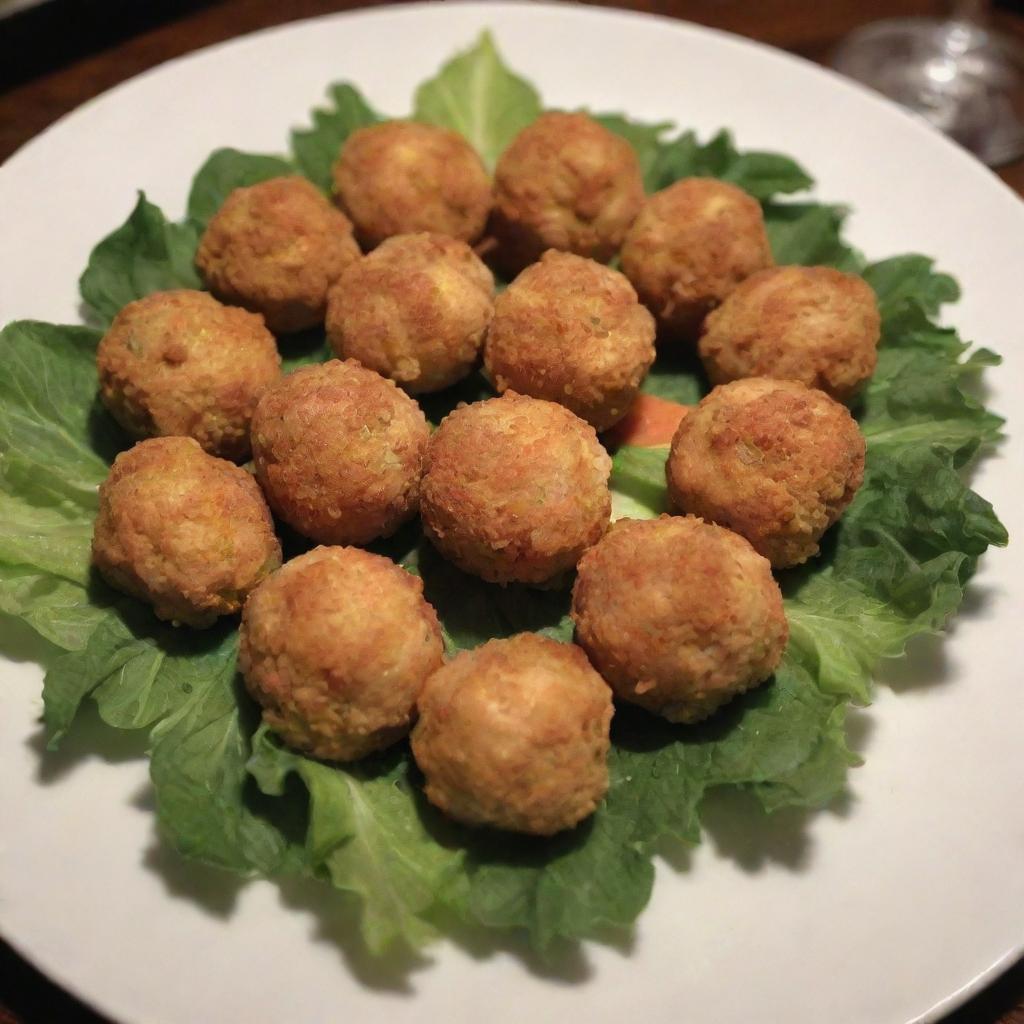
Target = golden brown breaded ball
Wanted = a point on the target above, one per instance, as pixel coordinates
(335, 647)
(775, 461)
(415, 310)
(679, 616)
(186, 532)
(514, 734)
(338, 451)
(692, 243)
(400, 177)
(515, 489)
(572, 331)
(812, 324)
(276, 248)
(179, 363)
(565, 182)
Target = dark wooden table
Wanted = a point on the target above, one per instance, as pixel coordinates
(55, 58)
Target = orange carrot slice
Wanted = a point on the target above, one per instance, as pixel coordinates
(651, 421)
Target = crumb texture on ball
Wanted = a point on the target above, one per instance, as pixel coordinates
(775, 461)
(515, 489)
(514, 734)
(565, 182)
(415, 309)
(338, 451)
(572, 331)
(690, 246)
(276, 248)
(400, 177)
(186, 532)
(678, 615)
(812, 324)
(335, 648)
(180, 363)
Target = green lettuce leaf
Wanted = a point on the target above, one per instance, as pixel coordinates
(907, 546)
(910, 280)
(837, 633)
(54, 446)
(54, 442)
(763, 175)
(315, 149)
(646, 140)
(800, 233)
(304, 349)
(577, 884)
(919, 397)
(809, 234)
(146, 254)
(472, 611)
(59, 611)
(903, 554)
(54, 438)
(227, 793)
(182, 688)
(677, 376)
(224, 171)
(600, 874)
(49, 473)
(52, 538)
(922, 391)
(368, 837)
(638, 482)
(664, 161)
(815, 781)
(900, 558)
(476, 95)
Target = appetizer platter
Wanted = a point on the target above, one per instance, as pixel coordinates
(461, 505)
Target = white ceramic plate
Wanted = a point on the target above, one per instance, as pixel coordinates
(888, 912)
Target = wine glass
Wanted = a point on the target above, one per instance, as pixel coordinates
(956, 73)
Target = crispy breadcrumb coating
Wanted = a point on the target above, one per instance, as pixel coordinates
(401, 177)
(514, 734)
(572, 331)
(181, 364)
(565, 182)
(338, 451)
(335, 647)
(515, 489)
(691, 244)
(186, 532)
(276, 248)
(415, 309)
(812, 324)
(678, 615)
(775, 461)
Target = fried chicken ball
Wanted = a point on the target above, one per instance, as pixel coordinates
(186, 532)
(565, 182)
(415, 310)
(401, 177)
(775, 461)
(678, 615)
(515, 489)
(572, 331)
(692, 243)
(335, 647)
(339, 452)
(179, 363)
(812, 324)
(514, 734)
(276, 248)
